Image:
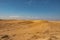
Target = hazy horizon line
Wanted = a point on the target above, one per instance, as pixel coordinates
(24, 18)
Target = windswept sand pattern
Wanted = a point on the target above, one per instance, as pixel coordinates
(29, 30)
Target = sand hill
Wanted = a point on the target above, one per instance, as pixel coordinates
(29, 30)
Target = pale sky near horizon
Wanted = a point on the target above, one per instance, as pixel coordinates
(40, 9)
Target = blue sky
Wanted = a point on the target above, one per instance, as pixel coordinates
(40, 9)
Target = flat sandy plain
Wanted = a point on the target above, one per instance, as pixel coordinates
(29, 30)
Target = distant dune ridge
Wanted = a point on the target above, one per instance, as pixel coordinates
(29, 30)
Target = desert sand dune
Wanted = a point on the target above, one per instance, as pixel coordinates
(29, 30)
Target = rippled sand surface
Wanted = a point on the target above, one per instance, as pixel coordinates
(29, 30)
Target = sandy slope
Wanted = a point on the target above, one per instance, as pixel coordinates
(29, 30)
